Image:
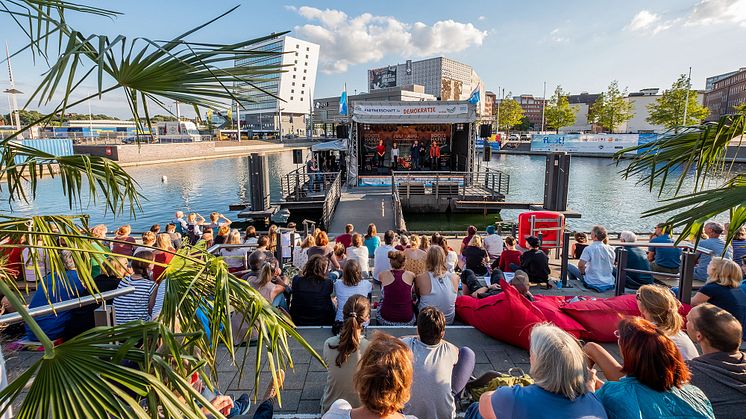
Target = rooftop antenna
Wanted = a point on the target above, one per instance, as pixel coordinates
(12, 92)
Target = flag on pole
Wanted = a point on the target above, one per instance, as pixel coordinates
(343, 102)
(474, 98)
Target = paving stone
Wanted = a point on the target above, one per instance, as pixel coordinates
(309, 406)
(313, 392)
(315, 365)
(295, 378)
(290, 400)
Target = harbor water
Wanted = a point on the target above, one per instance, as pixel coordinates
(597, 191)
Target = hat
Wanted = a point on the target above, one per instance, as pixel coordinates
(533, 241)
(490, 229)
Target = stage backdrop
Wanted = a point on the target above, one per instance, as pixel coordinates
(585, 143)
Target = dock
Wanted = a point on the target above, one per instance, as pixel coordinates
(362, 206)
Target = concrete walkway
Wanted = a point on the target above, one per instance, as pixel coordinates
(362, 206)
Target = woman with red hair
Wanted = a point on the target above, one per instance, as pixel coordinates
(656, 380)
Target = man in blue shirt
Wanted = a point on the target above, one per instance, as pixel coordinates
(715, 245)
(664, 259)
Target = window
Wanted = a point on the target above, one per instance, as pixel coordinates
(308, 49)
(304, 77)
(306, 56)
(296, 61)
(292, 91)
(301, 98)
(305, 71)
(291, 98)
(294, 76)
(303, 85)
(296, 53)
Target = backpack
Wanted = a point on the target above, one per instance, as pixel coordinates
(492, 380)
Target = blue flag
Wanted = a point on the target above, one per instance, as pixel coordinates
(474, 98)
(343, 102)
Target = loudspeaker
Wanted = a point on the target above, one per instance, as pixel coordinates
(297, 156)
(487, 153)
(342, 131)
(485, 131)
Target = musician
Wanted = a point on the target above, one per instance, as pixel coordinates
(416, 155)
(394, 156)
(380, 151)
(434, 155)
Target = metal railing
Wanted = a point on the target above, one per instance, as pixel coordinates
(459, 184)
(333, 194)
(68, 305)
(298, 184)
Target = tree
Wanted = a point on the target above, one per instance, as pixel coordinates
(558, 112)
(611, 109)
(668, 110)
(510, 115)
(524, 125)
(86, 376)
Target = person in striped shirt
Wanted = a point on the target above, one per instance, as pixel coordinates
(134, 306)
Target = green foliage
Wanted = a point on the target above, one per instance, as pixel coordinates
(668, 110)
(511, 114)
(558, 112)
(524, 125)
(611, 108)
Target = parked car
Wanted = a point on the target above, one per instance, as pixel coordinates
(526, 137)
(514, 137)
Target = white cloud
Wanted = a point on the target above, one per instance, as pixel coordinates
(481, 18)
(347, 40)
(556, 36)
(708, 12)
(643, 20)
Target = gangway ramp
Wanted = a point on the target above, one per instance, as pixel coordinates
(362, 206)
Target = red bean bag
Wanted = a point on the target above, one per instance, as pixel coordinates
(507, 317)
(551, 307)
(600, 317)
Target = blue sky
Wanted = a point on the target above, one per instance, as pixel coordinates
(582, 45)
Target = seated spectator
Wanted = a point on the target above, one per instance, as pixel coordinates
(352, 283)
(180, 223)
(311, 296)
(382, 381)
(223, 232)
(397, 285)
(215, 222)
(415, 257)
(156, 229)
(194, 223)
(321, 247)
(510, 256)
(262, 243)
(148, 240)
(721, 370)
(441, 370)
(636, 259)
(596, 267)
(251, 236)
(476, 258)
(36, 263)
(83, 318)
(581, 242)
(535, 262)
(663, 259)
(561, 388)
(235, 257)
(723, 288)
(98, 231)
(338, 258)
(56, 290)
(176, 240)
(123, 235)
(472, 286)
(225, 404)
(471, 231)
(451, 256)
(656, 378)
(424, 243)
(163, 255)
(300, 253)
(269, 282)
(358, 252)
(381, 255)
(437, 287)
(272, 236)
(207, 238)
(716, 245)
(342, 353)
(403, 243)
(739, 244)
(493, 244)
(346, 238)
(135, 306)
(372, 241)
(521, 283)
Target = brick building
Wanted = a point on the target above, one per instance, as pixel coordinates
(726, 94)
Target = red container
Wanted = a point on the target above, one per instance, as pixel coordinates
(549, 224)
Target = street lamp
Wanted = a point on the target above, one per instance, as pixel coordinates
(15, 113)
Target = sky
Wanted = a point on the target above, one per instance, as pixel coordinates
(516, 46)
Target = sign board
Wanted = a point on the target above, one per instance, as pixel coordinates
(381, 78)
(417, 108)
(583, 143)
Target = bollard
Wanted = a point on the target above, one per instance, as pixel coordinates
(686, 275)
(621, 275)
(565, 256)
(278, 248)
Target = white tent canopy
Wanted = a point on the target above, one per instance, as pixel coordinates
(335, 145)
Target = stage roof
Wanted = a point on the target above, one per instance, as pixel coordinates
(426, 112)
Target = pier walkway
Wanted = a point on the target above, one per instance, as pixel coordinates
(362, 206)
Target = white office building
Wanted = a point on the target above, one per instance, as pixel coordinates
(442, 77)
(264, 114)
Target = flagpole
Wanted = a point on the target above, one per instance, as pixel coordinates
(686, 100)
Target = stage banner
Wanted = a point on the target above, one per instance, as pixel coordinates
(415, 109)
(584, 143)
(381, 78)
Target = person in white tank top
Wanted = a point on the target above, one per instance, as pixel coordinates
(437, 287)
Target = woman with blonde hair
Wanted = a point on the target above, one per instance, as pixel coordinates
(235, 257)
(415, 262)
(476, 258)
(723, 289)
(357, 251)
(561, 388)
(148, 240)
(382, 381)
(424, 242)
(437, 287)
(163, 255)
(300, 253)
(343, 352)
(123, 234)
